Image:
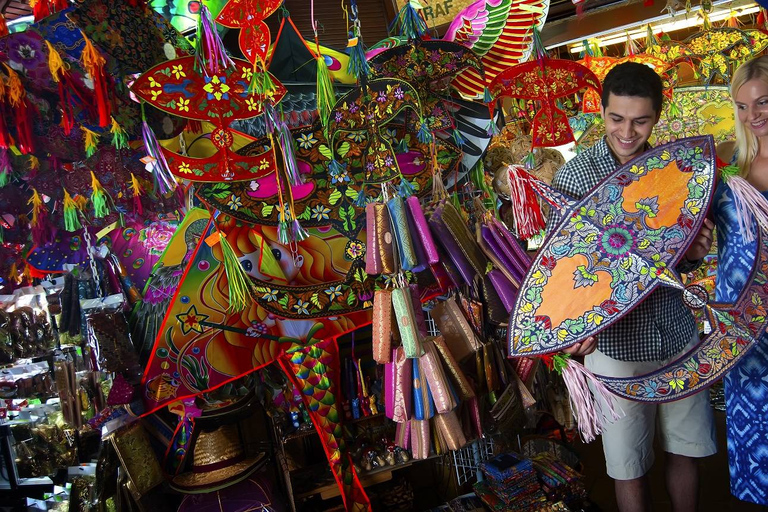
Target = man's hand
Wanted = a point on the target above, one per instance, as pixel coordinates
(702, 243)
(582, 349)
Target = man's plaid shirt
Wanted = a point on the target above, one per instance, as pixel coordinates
(660, 326)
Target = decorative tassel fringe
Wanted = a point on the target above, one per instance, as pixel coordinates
(3, 26)
(91, 141)
(299, 233)
(457, 138)
(590, 416)
(210, 55)
(137, 193)
(487, 98)
(282, 232)
(631, 47)
(261, 84)
(42, 234)
(749, 203)
(238, 282)
(402, 146)
(40, 9)
(93, 63)
(406, 188)
(412, 24)
(22, 116)
(288, 150)
(60, 72)
(492, 129)
(326, 96)
(5, 167)
(424, 135)
(99, 198)
(71, 218)
(119, 136)
(163, 178)
(529, 162)
(358, 65)
(362, 199)
(529, 220)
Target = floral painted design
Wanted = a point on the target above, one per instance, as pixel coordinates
(620, 243)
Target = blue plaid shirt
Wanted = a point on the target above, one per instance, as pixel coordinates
(660, 326)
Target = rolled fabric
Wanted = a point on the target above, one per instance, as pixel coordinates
(418, 311)
(406, 322)
(372, 254)
(389, 386)
(419, 439)
(382, 326)
(403, 435)
(403, 410)
(453, 325)
(437, 381)
(453, 370)
(422, 230)
(449, 426)
(379, 240)
(405, 249)
(423, 403)
(422, 262)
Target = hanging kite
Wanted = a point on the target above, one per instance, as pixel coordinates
(249, 16)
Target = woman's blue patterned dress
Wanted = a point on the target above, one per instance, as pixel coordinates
(746, 386)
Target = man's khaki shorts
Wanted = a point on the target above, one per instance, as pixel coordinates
(686, 427)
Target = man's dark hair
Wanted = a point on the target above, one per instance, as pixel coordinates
(633, 79)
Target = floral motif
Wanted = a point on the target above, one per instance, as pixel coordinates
(216, 87)
(355, 250)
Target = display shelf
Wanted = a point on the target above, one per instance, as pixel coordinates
(311, 431)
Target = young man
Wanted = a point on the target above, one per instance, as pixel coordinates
(657, 330)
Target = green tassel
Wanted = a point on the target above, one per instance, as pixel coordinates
(71, 219)
(326, 96)
(559, 362)
(457, 138)
(283, 232)
(98, 198)
(406, 188)
(529, 161)
(261, 83)
(361, 199)
(4, 178)
(412, 24)
(729, 171)
(240, 285)
(487, 98)
(424, 135)
(402, 146)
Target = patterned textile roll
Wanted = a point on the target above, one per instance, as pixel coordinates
(420, 439)
(406, 322)
(457, 377)
(372, 255)
(403, 387)
(453, 325)
(449, 427)
(438, 384)
(382, 326)
(379, 233)
(423, 402)
(422, 230)
(389, 386)
(403, 435)
(418, 311)
(405, 249)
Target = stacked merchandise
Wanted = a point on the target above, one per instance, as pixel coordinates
(512, 484)
(559, 481)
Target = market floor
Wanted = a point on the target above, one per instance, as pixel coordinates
(714, 495)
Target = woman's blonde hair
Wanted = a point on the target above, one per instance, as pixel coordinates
(746, 142)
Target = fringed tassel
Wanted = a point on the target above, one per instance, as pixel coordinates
(60, 71)
(239, 284)
(487, 97)
(631, 48)
(42, 234)
(137, 193)
(326, 96)
(362, 198)
(13, 274)
(17, 97)
(529, 220)
(491, 129)
(402, 146)
(288, 150)
(99, 198)
(529, 162)
(457, 138)
(3, 26)
(591, 417)
(40, 9)
(91, 141)
(210, 56)
(5, 167)
(119, 136)
(283, 229)
(163, 178)
(358, 65)
(424, 135)
(93, 63)
(412, 24)
(34, 166)
(406, 188)
(71, 215)
(194, 126)
(299, 233)
(261, 84)
(751, 206)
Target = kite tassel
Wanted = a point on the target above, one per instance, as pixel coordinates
(91, 141)
(298, 231)
(750, 206)
(3, 26)
(590, 416)
(71, 218)
(406, 188)
(238, 282)
(326, 96)
(137, 193)
(5, 167)
(358, 65)
(163, 178)
(285, 139)
(119, 135)
(210, 56)
(424, 135)
(41, 228)
(412, 23)
(457, 138)
(529, 220)
(93, 63)
(98, 198)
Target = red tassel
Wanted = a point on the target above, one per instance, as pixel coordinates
(21, 112)
(93, 63)
(6, 140)
(194, 126)
(3, 26)
(40, 9)
(60, 5)
(529, 220)
(761, 18)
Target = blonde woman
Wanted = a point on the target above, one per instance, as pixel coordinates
(740, 203)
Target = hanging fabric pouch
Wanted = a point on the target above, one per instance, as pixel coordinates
(404, 242)
(421, 230)
(453, 370)
(382, 326)
(420, 439)
(380, 240)
(403, 396)
(453, 325)
(449, 427)
(423, 403)
(437, 381)
(406, 322)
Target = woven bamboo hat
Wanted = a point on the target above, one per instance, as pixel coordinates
(218, 462)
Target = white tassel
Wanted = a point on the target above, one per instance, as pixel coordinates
(590, 417)
(750, 204)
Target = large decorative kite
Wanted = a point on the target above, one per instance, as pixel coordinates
(613, 248)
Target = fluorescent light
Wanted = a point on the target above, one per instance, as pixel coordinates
(691, 21)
